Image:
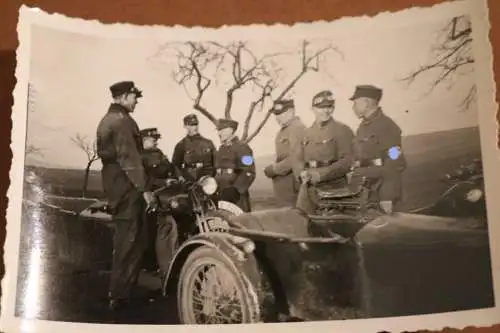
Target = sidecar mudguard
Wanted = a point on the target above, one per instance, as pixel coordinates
(228, 245)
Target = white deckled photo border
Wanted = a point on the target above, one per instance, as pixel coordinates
(487, 108)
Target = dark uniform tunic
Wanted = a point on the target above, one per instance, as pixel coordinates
(235, 169)
(375, 137)
(119, 145)
(287, 143)
(326, 152)
(194, 156)
(158, 170)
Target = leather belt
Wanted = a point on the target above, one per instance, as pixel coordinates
(372, 162)
(319, 164)
(197, 165)
(221, 171)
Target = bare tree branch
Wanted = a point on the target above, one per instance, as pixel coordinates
(88, 147)
(450, 56)
(200, 62)
(306, 67)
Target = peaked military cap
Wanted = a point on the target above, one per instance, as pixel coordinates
(283, 105)
(367, 90)
(190, 119)
(225, 123)
(150, 133)
(323, 99)
(124, 87)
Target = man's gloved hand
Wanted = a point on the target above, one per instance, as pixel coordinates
(269, 171)
(151, 203)
(230, 194)
(305, 177)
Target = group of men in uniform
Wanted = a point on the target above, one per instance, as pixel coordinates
(329, 153)
(133, 167)
(324, 154)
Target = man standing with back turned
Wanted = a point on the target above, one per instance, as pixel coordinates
(119, 146)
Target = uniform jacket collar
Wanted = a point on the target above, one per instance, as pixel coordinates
(115, 107)
(376, 115)
(321, 124)
(231, 141)
(291, 121)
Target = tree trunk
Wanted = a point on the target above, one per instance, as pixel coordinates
(86, 179)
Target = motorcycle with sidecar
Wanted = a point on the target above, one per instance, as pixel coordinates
(344, 261)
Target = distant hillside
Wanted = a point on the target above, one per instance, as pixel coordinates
(432, 150)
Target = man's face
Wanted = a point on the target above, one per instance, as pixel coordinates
(150, 142)
(323, 114)
(192, 129)
(284, 117)
(225, 133)
(361, 106)
(129, 101)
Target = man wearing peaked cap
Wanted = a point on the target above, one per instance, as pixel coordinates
(287, 141)
(227, 123)
(379, 156)
(194, 154)
(120, 148)
(162, 232)
(325, 156)
(124, 87)
(367, 91)
(235, 166)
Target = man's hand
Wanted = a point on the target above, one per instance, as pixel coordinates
(150, 201)
(182, 179)
(269, 171)
(305, 177)
(356, 164)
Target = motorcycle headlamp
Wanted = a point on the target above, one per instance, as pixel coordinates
(208, 184)
(474, 195)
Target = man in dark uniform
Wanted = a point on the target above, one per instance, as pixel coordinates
(379, 155)
(194, 155)
(119, 147)
(287, 142)
(235, 165)
(325, 156)
(158, 171)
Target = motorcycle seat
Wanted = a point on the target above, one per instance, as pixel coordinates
(338, 193)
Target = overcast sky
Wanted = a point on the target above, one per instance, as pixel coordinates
(71, 74)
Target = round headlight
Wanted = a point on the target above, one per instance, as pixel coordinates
(474, 195)
(208, 184)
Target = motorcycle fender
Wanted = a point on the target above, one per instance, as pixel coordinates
(229, 207)
(246, 263)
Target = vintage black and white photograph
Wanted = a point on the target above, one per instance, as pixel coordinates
(326, 171)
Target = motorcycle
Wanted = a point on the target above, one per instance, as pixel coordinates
(464, 196)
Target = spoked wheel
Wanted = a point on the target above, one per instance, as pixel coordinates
(212, 291)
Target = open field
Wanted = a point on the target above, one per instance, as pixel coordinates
(429, 157)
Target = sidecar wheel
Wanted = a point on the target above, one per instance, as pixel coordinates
(212, 291)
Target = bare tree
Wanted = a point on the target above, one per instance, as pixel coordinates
(451, 56)
(90, 149)
(199, 64)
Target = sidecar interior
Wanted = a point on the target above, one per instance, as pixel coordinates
(99, 207)
(338, 193)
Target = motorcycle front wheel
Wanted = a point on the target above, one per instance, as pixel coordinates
(212, 291)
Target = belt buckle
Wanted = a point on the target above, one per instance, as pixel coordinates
(313, 164)
(377, 162)
(199, 165)
(229, 171)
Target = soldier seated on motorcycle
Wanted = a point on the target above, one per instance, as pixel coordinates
(159, 170)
